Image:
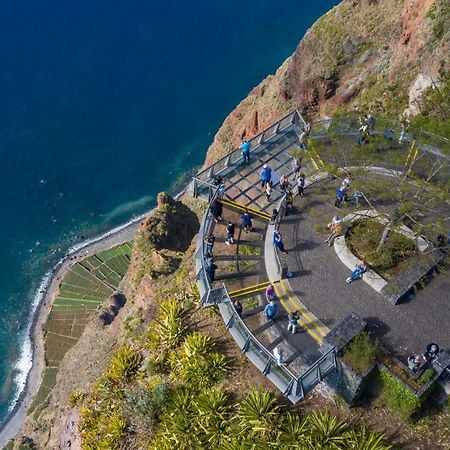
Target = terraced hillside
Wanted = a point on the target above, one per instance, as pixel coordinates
(83, 289)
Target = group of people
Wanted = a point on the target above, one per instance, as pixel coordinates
(416, 362)
(342, 194)
(367, 125)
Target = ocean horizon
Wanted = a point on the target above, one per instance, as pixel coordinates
(104, 104)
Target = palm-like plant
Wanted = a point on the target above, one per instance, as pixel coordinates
(125, 365)
(294, 432)
(213, 418)
(326, 432)
(364, 440)
(258, 413)
(170, 323)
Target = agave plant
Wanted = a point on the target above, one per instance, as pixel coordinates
(364, 440)
(125, 365)
(170, 323)
(294, 432)
(213, 417)
(326, 432)
(197, 344)
(258, 413)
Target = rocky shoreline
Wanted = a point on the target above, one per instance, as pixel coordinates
(16, 417)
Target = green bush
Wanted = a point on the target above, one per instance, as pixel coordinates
(395, 396)
(361, 352)
(75, 397)
(125, 365)
(427, 376)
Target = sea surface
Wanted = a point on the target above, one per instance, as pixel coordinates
(102, 105)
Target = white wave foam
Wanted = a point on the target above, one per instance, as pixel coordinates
(24, 362)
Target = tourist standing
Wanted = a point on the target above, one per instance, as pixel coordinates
(284, 182)
(216, 210)
(270, 292)
(266, 175)
(301, 185)
(211, 272)
(274, 216)
(271, 310)
(279, 355)
(247, 223)
(293, 322)
(278, 242)
(209, 240)
(238, 307)
(230, 233)
(289, 201)
(405, 125)
(298, 166)
(245, 149)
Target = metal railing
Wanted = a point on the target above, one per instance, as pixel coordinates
(256, 143)
(294, 387)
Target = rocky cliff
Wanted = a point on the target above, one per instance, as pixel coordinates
(371, 55)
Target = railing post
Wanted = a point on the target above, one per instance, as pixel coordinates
(229, 324)
(302, 391)
(211, 172)
(267, 367)
(289, 388)
(277, 128)
(227, 161)
(319, 374)
(294, 117)
(261, 138)
(247, 344)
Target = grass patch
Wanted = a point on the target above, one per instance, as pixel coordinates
(394, 395)
(361, 352)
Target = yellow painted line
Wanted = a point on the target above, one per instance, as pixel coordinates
(249, 289)
(316, 330)
(256, 212)
(291, 307)
(410, 152)
(412, 162)
(314, 162)
(316, 154)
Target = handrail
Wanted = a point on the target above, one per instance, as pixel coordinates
(254, 138)
(254, 338)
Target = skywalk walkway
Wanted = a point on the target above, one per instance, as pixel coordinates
(305, 280)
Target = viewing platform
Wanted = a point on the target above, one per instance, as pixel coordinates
(310, 278)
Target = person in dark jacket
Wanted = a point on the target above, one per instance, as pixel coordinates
(238, 307)
(211, 272)
(216, 210)
(230, 233)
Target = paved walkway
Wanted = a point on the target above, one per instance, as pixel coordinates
(319, 281)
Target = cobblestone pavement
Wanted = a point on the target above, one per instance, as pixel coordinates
(319, 281)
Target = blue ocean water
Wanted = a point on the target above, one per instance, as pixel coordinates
(102, 105)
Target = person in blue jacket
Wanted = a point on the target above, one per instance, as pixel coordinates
(278, 242)
(247, 223)
(357, 271)
(245, 149)
(266, 175)
(270, 310)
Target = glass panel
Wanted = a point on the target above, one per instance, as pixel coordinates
(327, 364)
(255, 351)
(309, 379)
(269, 132)
(286, 121)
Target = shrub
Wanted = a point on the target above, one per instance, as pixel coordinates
(395, 396)
(75, 397)
(124, 365)
(144, 403)
(361, 352)
(197, 363)
(170, 326)
(426, 376)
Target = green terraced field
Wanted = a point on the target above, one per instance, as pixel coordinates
(83, 289)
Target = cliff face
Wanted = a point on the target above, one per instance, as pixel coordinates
(363, 54)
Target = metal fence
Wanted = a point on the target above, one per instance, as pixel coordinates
(294, 387)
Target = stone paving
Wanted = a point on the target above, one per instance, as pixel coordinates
(319, 281)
